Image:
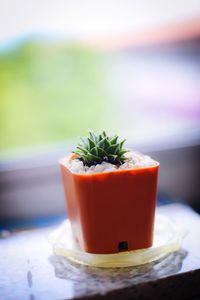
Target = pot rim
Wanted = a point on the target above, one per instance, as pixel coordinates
(61, 162)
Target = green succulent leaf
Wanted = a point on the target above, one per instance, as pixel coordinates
(101, 143)
(85, 158)
(114, 140)
(121, 144)
(97, 148)
(107, 143)
(94, 151)
(85, 151)
(84, 143)
(100, 137)
(93, 157)
(78, 152)
(91, 143)
(122, 152)
(112, 149)
(104, 134)
(101, 152)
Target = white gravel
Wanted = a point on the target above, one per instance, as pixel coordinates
(134, 160)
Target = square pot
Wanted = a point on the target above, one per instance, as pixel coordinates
(114, 211)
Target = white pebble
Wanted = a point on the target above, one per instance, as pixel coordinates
(134, 160)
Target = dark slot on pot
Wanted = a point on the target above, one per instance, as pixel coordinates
(123, 246)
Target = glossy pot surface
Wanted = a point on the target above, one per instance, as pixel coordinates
(113, 211)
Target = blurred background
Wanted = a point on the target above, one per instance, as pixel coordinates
(131, 67)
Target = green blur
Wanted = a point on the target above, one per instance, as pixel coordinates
(49, 92)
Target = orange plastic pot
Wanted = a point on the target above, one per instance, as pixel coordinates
(114, 211)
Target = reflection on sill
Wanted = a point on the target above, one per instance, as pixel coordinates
(97, 279)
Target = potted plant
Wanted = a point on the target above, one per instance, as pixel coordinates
(110, 195)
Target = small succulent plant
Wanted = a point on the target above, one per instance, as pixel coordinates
(97, 148)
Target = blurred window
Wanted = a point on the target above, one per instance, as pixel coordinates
(129, 67)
